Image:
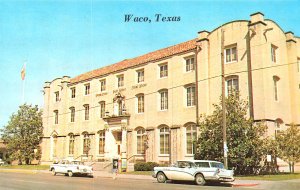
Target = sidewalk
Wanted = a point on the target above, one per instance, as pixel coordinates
(102, 174)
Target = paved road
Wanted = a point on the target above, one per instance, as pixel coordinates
(19, 181)
(42, 181)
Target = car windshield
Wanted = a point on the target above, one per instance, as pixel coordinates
(77, 163)
(216, 165)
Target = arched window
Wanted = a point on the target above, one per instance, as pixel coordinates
(71, 144)
(86, 143)
(164, 140)
(275, 81)
(278, 123)
(101, 142)
(140, 135)
(191, 136)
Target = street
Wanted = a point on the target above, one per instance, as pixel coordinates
(44, 181)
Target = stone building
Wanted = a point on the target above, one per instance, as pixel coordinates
(146, 108)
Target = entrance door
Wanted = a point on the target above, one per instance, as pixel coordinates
(118, 139)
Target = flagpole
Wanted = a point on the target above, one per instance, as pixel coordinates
(23, 73)
(23, 91)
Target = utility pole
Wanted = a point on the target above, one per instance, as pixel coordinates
(225, 149)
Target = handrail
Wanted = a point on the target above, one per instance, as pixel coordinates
(107, 165)
(133, 156)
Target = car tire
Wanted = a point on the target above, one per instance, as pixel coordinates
(70, 173)
(53, 172)
(161, 178)
(199, 179)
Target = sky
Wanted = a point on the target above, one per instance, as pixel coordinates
(68, 37)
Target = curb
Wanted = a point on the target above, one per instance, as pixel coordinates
(245, 185)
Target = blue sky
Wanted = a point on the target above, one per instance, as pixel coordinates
(59, 38)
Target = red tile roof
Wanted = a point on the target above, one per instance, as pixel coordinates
(127, 63)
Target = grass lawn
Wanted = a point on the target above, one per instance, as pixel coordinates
(138, 172)
(26, 167)
(275, 177)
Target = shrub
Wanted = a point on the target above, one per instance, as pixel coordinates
(145, 166)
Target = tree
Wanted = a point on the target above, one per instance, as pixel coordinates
(22, 133)
(246, 147)
(289, 145)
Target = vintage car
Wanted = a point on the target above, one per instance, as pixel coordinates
(70, 168)
(1, 162)
(200, 171)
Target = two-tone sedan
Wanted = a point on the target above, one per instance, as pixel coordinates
(200, 171)
(70, 168)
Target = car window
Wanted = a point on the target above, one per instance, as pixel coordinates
(202, 164)
(216, 165)
(184, 164)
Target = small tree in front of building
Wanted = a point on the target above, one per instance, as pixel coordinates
(289, 145)
(22, 134)
(246, 147)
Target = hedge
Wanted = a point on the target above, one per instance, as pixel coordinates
(145, 166)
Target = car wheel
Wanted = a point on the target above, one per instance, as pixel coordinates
(199, 179)
(70, 173)
(53, 171)
(161, 178)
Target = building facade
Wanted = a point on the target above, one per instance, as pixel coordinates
(146, 108)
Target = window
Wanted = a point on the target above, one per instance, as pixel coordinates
(273, 53)
(103, 85)
(87, 89)
(191, 136)
(54, 146)
(202, 164)
(101, 142)
(86, 111)
(73, 92)
(163, 70)
(72, 109)
(86, 144)
(102, 109)
(164, 100)
(120, 80)
(56, 96)
(120, 108)
(55, 116)
(141, 102)
(232, 85)
(278, 123)
(140, 141)
(140, 76)
(190, 96)
(71, 144)
(275, 80)
(189, 64)
(231, 54)
(164, 140)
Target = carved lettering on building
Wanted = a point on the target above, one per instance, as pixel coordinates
(101, 94)
(119, 90)
(138, 86)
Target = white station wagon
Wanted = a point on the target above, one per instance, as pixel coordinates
(200, 171)
(70, 168)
